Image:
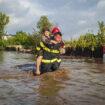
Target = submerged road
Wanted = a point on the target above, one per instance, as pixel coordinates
(84, 86)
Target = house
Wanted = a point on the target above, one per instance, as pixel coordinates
(7, 36)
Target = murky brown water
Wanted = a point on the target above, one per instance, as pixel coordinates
(83, 85)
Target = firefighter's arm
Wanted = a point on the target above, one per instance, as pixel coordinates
(53, 41)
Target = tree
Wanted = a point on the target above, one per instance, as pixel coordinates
(43, 22)
(101, 33)
(21, 38)
(34, 39)
(4, 20)
(91, 41)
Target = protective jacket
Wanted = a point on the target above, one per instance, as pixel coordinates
(51, 59)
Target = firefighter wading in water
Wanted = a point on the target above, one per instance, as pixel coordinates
(51, 54)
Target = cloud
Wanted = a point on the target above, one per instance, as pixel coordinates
(74, 17)
(81, 22)
(78, 21)
(101, 4)
(23, 14)
(1, 1)
(69, 20)
(82, 1)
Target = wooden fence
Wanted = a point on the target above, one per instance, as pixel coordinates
(86, 52)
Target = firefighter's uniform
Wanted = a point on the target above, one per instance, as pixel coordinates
(51, 59)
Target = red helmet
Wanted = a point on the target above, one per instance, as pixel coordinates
(55, 29)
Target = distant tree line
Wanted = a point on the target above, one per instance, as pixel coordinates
(88, 44)
(27, 40)
(89, 39)
(86, 41)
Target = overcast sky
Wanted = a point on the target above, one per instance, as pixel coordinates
(74, 17)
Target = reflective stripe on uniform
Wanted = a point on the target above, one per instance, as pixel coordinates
(59, 60)
(47, 49)
(38, 48)
(49, 61)
(36, 56)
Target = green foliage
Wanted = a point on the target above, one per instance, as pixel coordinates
(90, 40)
(43, 22)
(101, 34)
(34, 39)
(27, 40)
(4, 20)
(67, 43)
(3, 44)
(20, 39)
(74, 44)
(82, 41)
(31, 40)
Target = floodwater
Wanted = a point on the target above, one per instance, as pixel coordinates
(81, 82)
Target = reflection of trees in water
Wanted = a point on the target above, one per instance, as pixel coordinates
(50, 87)
(104, 58)
(1, 56)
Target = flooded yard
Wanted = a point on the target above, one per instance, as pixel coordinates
(80, 81)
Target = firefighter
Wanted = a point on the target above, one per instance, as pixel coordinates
(51, 52)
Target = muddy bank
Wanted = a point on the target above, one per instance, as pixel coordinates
(56, 74)
(23, 74)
